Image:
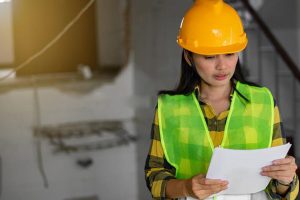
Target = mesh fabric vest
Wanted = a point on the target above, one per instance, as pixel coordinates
(184, 133)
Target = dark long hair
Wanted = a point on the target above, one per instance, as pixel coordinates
(189, 79)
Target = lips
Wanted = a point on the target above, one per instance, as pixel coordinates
(221, 77)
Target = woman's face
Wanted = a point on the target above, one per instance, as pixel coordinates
(216, 70)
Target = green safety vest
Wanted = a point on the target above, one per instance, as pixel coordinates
(184, 133)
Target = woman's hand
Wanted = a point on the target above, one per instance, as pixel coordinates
(283, 170)
(200, 187)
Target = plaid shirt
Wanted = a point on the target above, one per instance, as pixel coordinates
(158, 170)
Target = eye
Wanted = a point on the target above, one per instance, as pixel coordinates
(229, 54)
(209, 57)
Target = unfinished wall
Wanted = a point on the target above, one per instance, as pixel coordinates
(113, 172)
(111, 33)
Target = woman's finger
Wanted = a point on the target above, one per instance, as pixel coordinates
(287, 160)
(206, 193)
(215, 187)
(283, 177)
(205, 181)
(203, 187)
(278, 173)
(282, 167)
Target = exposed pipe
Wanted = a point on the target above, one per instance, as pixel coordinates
(38, 139)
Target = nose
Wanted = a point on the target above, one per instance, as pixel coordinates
(221, 62)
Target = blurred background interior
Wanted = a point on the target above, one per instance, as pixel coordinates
(78, 85)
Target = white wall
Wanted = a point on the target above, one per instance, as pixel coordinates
(113, 174)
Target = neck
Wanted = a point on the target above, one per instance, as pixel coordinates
(214, 93)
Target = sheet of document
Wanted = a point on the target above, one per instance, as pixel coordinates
(241, 168)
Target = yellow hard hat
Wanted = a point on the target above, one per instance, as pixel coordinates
(212, 27)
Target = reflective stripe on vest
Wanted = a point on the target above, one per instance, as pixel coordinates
(184, 133)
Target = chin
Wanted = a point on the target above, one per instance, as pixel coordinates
(216, 83)
(220, 83)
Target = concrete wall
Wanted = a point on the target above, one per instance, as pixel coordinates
(285, 29)
(280, 14)
(262, 61)
(6, 32)
(298, 85)
(113, 173)
(111, 33)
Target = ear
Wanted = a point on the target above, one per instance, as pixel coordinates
(187, 57)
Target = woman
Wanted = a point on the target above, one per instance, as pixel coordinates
(213, 106)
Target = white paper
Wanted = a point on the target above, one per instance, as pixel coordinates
(241, 168)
